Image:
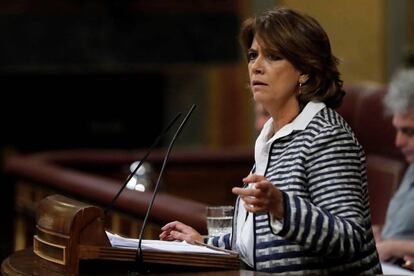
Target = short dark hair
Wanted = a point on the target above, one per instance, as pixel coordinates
(301, 40)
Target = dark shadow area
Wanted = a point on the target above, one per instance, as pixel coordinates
(94, 74)
(47, 111)
(108, 39)
(7, 207)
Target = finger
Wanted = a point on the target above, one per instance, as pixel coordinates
(261, 203)
(164, 234)
(245, 192)
(254, 209)
(168, 238)
(238, 191)
(264, 186)
(253, 178)
(181, 227)
(269, 192)
(170, 225)
(176, 225)
(252, 201)
(180, 236)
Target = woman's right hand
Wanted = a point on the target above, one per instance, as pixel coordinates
(179, 231)
(409, 262)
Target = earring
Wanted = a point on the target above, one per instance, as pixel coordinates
(300, 88)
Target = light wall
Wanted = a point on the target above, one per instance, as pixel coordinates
(357, 30)
(361, 36)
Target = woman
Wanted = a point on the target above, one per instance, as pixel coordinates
(304, 208)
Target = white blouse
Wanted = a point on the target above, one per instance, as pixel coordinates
(245, 236)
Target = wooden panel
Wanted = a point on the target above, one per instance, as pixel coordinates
(192, 180)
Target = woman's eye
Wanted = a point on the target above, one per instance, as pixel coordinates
(251, 55)
(274, 57)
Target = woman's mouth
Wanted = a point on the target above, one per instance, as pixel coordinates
(257, 83)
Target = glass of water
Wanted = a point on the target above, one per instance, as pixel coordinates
(219, 220)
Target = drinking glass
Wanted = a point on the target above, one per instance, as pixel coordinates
(219, 220)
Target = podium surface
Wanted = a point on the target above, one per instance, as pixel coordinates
(70, 240)
(25, 262)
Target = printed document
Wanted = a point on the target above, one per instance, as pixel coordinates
(170, 246)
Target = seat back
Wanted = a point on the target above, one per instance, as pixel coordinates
(384, 177)
(363, 109)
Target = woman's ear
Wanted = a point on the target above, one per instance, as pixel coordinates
(303, 78)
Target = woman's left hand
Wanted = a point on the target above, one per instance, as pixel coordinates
(264, 197)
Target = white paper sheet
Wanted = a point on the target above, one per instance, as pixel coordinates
(392, 269)
(170, 246)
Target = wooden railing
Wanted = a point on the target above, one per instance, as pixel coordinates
(192, 180)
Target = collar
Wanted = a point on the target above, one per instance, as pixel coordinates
(299, 123)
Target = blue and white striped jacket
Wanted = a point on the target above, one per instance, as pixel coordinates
(326, 229)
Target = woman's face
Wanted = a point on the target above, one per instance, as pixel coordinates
(274, 80)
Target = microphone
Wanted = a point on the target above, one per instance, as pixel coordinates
(154, 144)
(139, 258)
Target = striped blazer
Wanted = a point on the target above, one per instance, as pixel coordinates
(326, 229)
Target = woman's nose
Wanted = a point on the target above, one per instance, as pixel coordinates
(257, 66)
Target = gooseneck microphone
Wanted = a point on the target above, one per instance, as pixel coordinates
(139, 255)
(154, 144)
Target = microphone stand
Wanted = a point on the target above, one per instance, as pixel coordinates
(154, 144)
(139, 258)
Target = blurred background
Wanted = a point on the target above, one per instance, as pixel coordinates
(102, 74)
(98, 73)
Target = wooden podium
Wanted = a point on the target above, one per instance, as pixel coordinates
(69, 232)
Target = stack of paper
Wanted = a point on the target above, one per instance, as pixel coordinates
(392, 269)
(170, 246)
